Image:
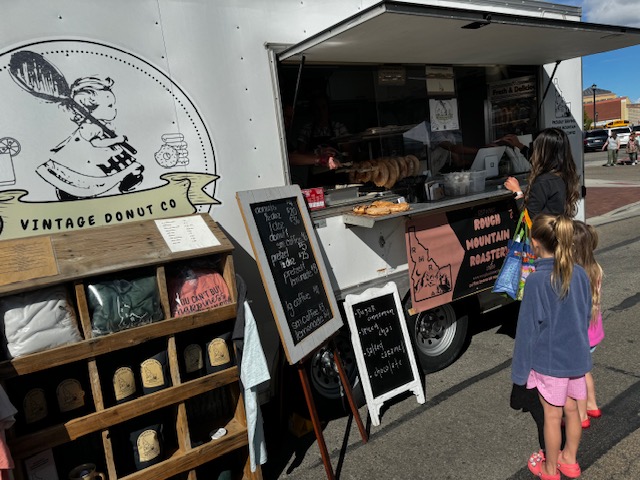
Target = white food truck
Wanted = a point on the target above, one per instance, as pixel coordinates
(120, 111)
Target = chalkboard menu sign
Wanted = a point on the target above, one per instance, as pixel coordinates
(382, 346)
(293, 265)
(296, 280)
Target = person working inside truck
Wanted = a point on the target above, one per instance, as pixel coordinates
(447, 153)
(302, 162)
(322, 129)
(317, 137)
(517, 153)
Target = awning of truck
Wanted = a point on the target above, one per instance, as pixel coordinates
(406, 33)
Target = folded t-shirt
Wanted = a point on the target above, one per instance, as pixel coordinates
(38, 320)
(120, 304)
(197, 289)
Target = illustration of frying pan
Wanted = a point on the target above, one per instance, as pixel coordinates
(42, 79)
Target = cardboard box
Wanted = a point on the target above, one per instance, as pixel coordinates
(434, 190)
(314, 197)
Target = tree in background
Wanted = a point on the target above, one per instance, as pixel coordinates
(587, 121)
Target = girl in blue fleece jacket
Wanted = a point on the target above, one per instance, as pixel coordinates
(551, 350)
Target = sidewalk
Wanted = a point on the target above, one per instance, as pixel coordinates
(612, 193)
(603, 200)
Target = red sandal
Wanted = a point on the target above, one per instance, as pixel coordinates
(535, 466)
(597, 413)
(570, 470)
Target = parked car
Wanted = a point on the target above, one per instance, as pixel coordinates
(594, 139)
(623, 134)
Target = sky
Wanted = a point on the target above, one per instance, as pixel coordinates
(617, 71)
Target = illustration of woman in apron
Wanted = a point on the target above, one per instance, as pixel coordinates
(93, 159)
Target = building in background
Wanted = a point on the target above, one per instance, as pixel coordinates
(634, 113)
(608, 107)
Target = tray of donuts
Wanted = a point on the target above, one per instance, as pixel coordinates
(385, 171)
(381, 207)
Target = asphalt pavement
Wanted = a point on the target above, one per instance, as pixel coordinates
(467, 429)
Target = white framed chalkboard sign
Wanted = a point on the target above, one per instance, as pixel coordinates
(382, 347)
(295, 277)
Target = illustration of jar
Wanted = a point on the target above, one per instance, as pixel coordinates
(9, 148)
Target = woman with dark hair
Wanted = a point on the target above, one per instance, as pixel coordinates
(553, 185)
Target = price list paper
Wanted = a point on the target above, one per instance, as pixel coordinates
(186, 233)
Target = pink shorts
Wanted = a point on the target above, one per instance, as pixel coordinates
(556, 390)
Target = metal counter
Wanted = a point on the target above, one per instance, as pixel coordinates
(350, 219)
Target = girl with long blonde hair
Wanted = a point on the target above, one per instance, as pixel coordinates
(551, 351)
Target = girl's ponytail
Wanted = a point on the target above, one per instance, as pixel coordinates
(563, 254)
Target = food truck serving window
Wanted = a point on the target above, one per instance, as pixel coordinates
(388, 125)
(399, 32)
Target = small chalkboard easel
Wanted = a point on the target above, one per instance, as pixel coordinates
(382, 347)
(297, 284)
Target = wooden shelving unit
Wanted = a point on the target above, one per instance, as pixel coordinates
(121, 249)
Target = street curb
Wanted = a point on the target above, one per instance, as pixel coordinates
(627, 211)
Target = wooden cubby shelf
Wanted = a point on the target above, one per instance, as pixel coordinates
(123, 251)
(93, 347)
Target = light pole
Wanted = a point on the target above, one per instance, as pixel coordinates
(595, 114)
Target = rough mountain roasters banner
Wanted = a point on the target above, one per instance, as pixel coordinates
(457, 253)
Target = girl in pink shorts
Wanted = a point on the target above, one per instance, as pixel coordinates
(551, 351)
(585, 241)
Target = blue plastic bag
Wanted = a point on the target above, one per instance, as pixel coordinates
(509, 277)
(518, 263)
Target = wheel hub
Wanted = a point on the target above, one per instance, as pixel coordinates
(324, 371)
(435, 331)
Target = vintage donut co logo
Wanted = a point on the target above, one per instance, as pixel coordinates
(91, 135)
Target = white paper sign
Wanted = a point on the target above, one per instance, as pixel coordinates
(186, 233)
(444, 114)
(440, 80)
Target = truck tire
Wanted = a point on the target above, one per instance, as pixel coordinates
(328, 394)
(438, 335)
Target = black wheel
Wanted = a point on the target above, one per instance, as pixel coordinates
(439, 336)
(328, 394)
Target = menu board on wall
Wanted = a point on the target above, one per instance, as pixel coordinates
(457, 253)
(382, 347)
(513, 106)
(295, 278)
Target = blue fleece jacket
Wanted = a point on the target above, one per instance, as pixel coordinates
(551, 336)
